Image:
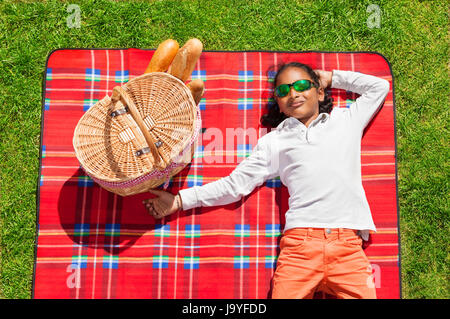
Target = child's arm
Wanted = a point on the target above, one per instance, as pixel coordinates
(250, 173)
(372, 90)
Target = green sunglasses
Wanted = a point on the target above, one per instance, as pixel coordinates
(300, 86)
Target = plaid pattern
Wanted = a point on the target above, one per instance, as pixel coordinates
(94, 244)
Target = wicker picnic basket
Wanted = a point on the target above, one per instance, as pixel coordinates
(141, 136)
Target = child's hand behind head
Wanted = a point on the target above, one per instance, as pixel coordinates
(324, 78)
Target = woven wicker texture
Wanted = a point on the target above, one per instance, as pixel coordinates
(115, 150)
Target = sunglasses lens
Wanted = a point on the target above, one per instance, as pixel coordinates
(302, 85)
(299, 86)
(282, 90)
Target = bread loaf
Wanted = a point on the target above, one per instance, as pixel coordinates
(163, 56)
(179, 63)
(184, 62)
(197, 88)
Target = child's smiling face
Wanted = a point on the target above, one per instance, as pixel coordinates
(302, 105)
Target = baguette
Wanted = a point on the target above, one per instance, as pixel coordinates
(197, 88)
(163, 56)
(179, 63)
(184, 62)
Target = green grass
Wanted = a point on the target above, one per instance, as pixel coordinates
(413, 36)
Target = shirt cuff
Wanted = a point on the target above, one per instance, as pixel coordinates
(338, 79)
(188, 198)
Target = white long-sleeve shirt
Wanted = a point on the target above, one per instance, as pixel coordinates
(320, 164)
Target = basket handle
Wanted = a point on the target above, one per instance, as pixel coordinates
(119, 93)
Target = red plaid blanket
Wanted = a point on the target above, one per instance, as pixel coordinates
(94, 244)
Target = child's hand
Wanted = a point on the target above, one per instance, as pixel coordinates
(164, 204)
(324, 78)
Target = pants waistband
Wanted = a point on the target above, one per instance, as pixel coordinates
(321, 232)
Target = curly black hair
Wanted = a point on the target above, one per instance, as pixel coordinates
(274, 116)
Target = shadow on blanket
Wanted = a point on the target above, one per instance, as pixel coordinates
(91, 216)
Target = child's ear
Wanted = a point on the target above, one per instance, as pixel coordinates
(321, 93)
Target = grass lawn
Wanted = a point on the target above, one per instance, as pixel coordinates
(413, 36)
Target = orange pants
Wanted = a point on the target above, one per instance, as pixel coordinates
(328, 260)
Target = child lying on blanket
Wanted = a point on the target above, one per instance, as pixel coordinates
(316, 151)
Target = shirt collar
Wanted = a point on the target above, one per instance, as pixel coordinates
(293, 122)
